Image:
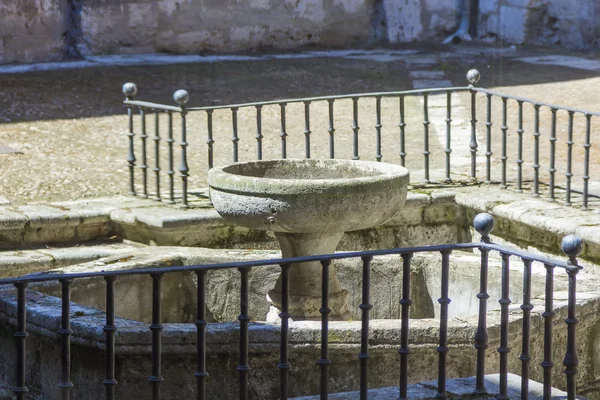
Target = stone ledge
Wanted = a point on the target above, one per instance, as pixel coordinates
(459, 388)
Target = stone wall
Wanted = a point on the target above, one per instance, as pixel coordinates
(44, 30)
(545, 22)
(33, 30)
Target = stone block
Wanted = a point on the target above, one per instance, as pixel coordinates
(33, 30)
(403, 20)
(513, 24)
(488, 6)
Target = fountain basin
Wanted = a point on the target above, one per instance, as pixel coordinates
(308, 196)
(309, 204)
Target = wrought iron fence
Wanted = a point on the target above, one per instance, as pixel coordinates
(443, 95)
(483, 223)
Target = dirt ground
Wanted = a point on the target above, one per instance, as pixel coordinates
(70, 125)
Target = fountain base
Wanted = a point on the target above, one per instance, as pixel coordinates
(305, 279)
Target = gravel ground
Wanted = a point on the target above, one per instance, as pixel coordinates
(70, 125)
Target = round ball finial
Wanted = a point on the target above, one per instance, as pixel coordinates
(473, 76)
(181, 97)
(572, 245)
(129, 89)
(483, 223)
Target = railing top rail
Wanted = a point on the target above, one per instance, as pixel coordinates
(333, 97)
(149, 105)
(538, 103)
(44, 277)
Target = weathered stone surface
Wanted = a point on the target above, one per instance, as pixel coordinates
(140, 26)
(403, 20)
(33, 30)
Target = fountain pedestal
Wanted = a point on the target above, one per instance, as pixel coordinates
(309, 204)
(306, 278)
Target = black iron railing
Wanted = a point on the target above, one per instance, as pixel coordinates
(539, 176)
(483, 223)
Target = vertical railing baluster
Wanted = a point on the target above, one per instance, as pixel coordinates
(536, 151)
(552, 169)
(307, 129)
(443, 347)
(572, 246)
(426, 135)
(548, 316)
(355, 128)
(378, 126)
(209, 140)
(520, 148)
(156, 329)
(181, 97)
(234, 139)
(526, 307)
(156, 140)
(586, 161)
(109, 335)
(244, 319)
(402, 126)
(201, 373)
(484, 224)
(331, 130)
(473, 144)
(448, 149)
(65, 331)
(144, 166)
(130, 90)
(324, 361)
(504, 129)
(569, 172)
(365, 306)
(284, 315)
(504, 349)
(405, 303)
(20, 339)
(259, 135)
(488, 140)
(283, 134)
(171, 172)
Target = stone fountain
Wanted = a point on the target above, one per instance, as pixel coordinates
(308, 204)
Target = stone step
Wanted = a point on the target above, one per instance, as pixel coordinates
(459, 388)
(21, 262)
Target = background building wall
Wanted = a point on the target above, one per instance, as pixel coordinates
(48, 30)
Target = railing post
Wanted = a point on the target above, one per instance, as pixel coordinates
(365, 306)
(448, 149)
(536, 151)
(586, 161)
(488, 139)
(130, 90)
(324, 361)
(504, 129)
(569, 172)
(181, 97)
(520, 148)
(331, 130)
(307, 131)
(402, 126)
(484, 225)
(156, 328)
(65, 332)
(572, 246)
(201, 323)
(473, 77)
(405, 303)
(20, 389)
(355, 128)
(109, 336)
(426, 123)
(284, 315)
